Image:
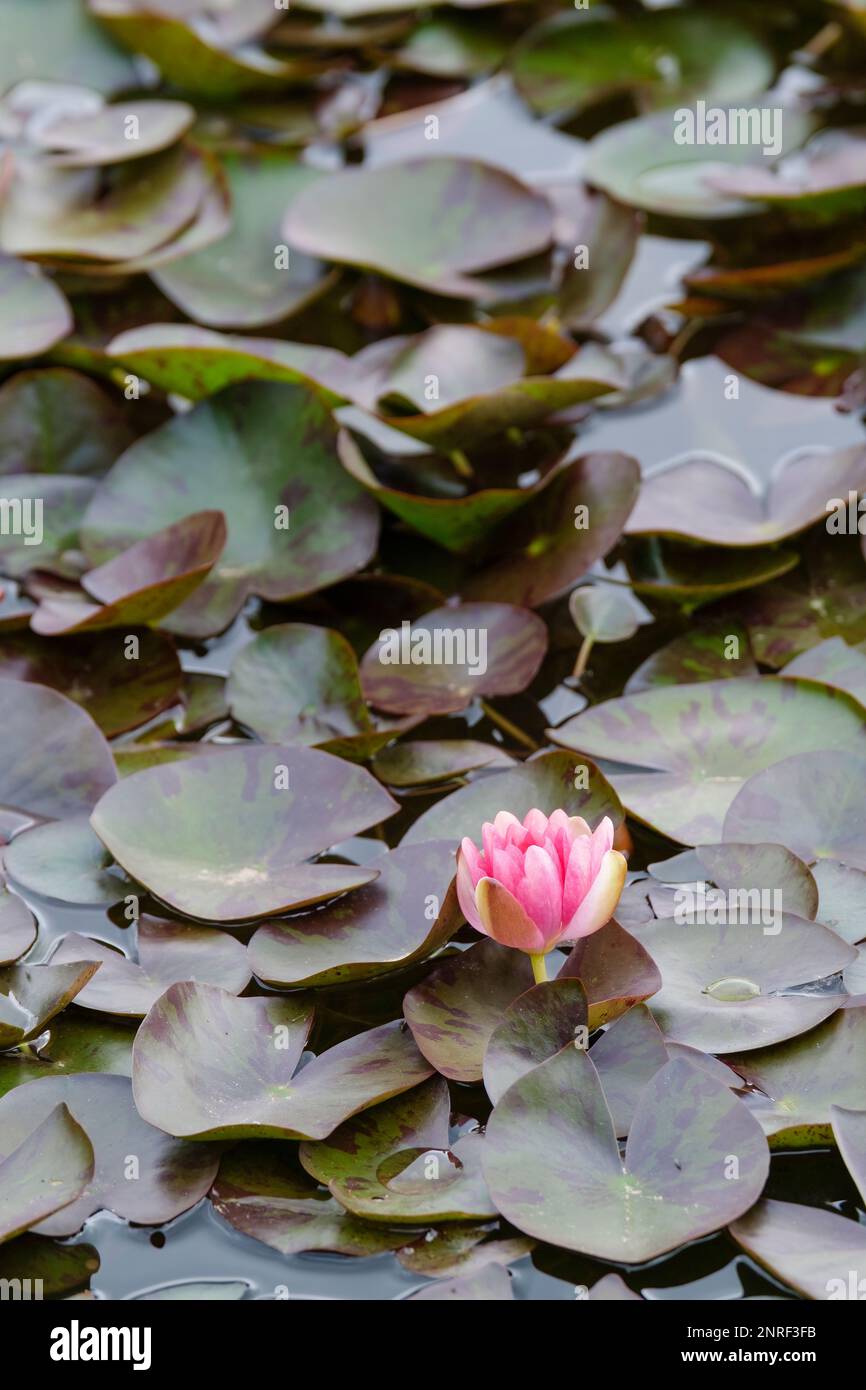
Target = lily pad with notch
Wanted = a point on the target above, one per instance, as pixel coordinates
(815, 802)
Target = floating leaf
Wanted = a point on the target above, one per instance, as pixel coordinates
(555, 1172)
(441, 662)
(615, 971)
(841, 898)
(412, 764)
(74, 1043)
(59, 1269)
(808, 1249)
(834, 663)
(814, 802)
(627, 1057)
(698, 655)
(429, 222)
(102, 136)
(224, 836)
(705, 741)
(17, 924)
(461, 1248)
(172, 1176)
(534, 1027)
(745, 868)
(824, 181)
(829, 600)
(258, 452)
(849, 1129)
(722, 984)
(30, 996)
(75, 765)
(492, 1284)
(406, 914)
(209, 1066)
(57, 421)
(42, 1171)
(168, 952)
(34, 314)
(605, 614)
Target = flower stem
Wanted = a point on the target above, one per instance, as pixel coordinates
(508, 728)
(539, 967)
(586, 647)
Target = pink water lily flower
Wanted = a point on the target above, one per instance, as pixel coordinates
(541, 881)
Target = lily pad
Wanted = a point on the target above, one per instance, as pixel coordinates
(547, 780)
(555, 1172)
(57, 421)
(75, 765)
(169, 1177)
(17, 924)
(168, 952)
(407, 913)
(808, 1249)
(47, 535)
(74, 1043)
(444, 660)
(849, 1129)
(705, 741)
(828, 600)
(823, 182)
(209, 1066)
(841, 898)
(30, 996)
(627, 1057)
(224, 836)
(763, 867)
(412, 764)
(814, 801)
(48, 1168)
(616, 971)
(804, 1080)
(698, 655)
(662, 59)
(120, 687)
(265, 455)
(722, 985)
(34, 313)
(58, 41)
(455, 217)
(62, 1269)
(834, 663)
(102, 136)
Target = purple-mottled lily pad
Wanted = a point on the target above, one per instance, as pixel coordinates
(142, 584)
(816, 1252)
(51, 510)
(17, 925)
(169, 1177)
(760, 866)
(45, 1170)
(824, 181)
(834, 663)
(548, 780)
(240, 281)
(34, 313)
(30, 996)
(441, 662)
(224, 836)
(841, 899)
(705, 741)
(168, 952)
(101, 136)
(434, 223)
(209, 1066)
(626, 1057)
(407, 913)
(615, 970)
(722, 983)
(261, 1193)
(787, 619)
(698, 655)
(554, 1168)
(98, 672)
(662, 59)
(535, 1026)
(462, 1248)
(849, 1130)
(75, 765)
(53, 420)
(689, 575)
(490, 1285)
(412, 1120)
(561, 532)
(799, 1084)
(413, 764)
(707, 500)
(265, 455)
(814, 801)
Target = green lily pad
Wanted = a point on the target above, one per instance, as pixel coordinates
(849, 1130)
(722, 984)
(689, 576)
(260, 1193)
(168, 952)
(707, 500)
(412, 764)
(555, 1172)
(785, 620)
(224, 836)
(75, 765)
(615, 970)
(705, 741)
(803, 1080)
(140, 1173)
(406, 914)
(58, 41)
(34, 313)
(823, 182)
(143, 584)
(811, 1250)
(698, 655)
(393, 220)
(450, 656)
(663, 59)
(57, 421)
(814, 801)
(209, 1066)
(42, 1170)
(560, 533)
(30, 996)
(453, 46)
(461, 1248)
(74, 1043)
(17, 924)
(101, 136)
(412, 1120)
(547, 780)
(118, 690)
(834, 663)
(60, 1269)
(535, 1026)
(265, 455)
(238, 282)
